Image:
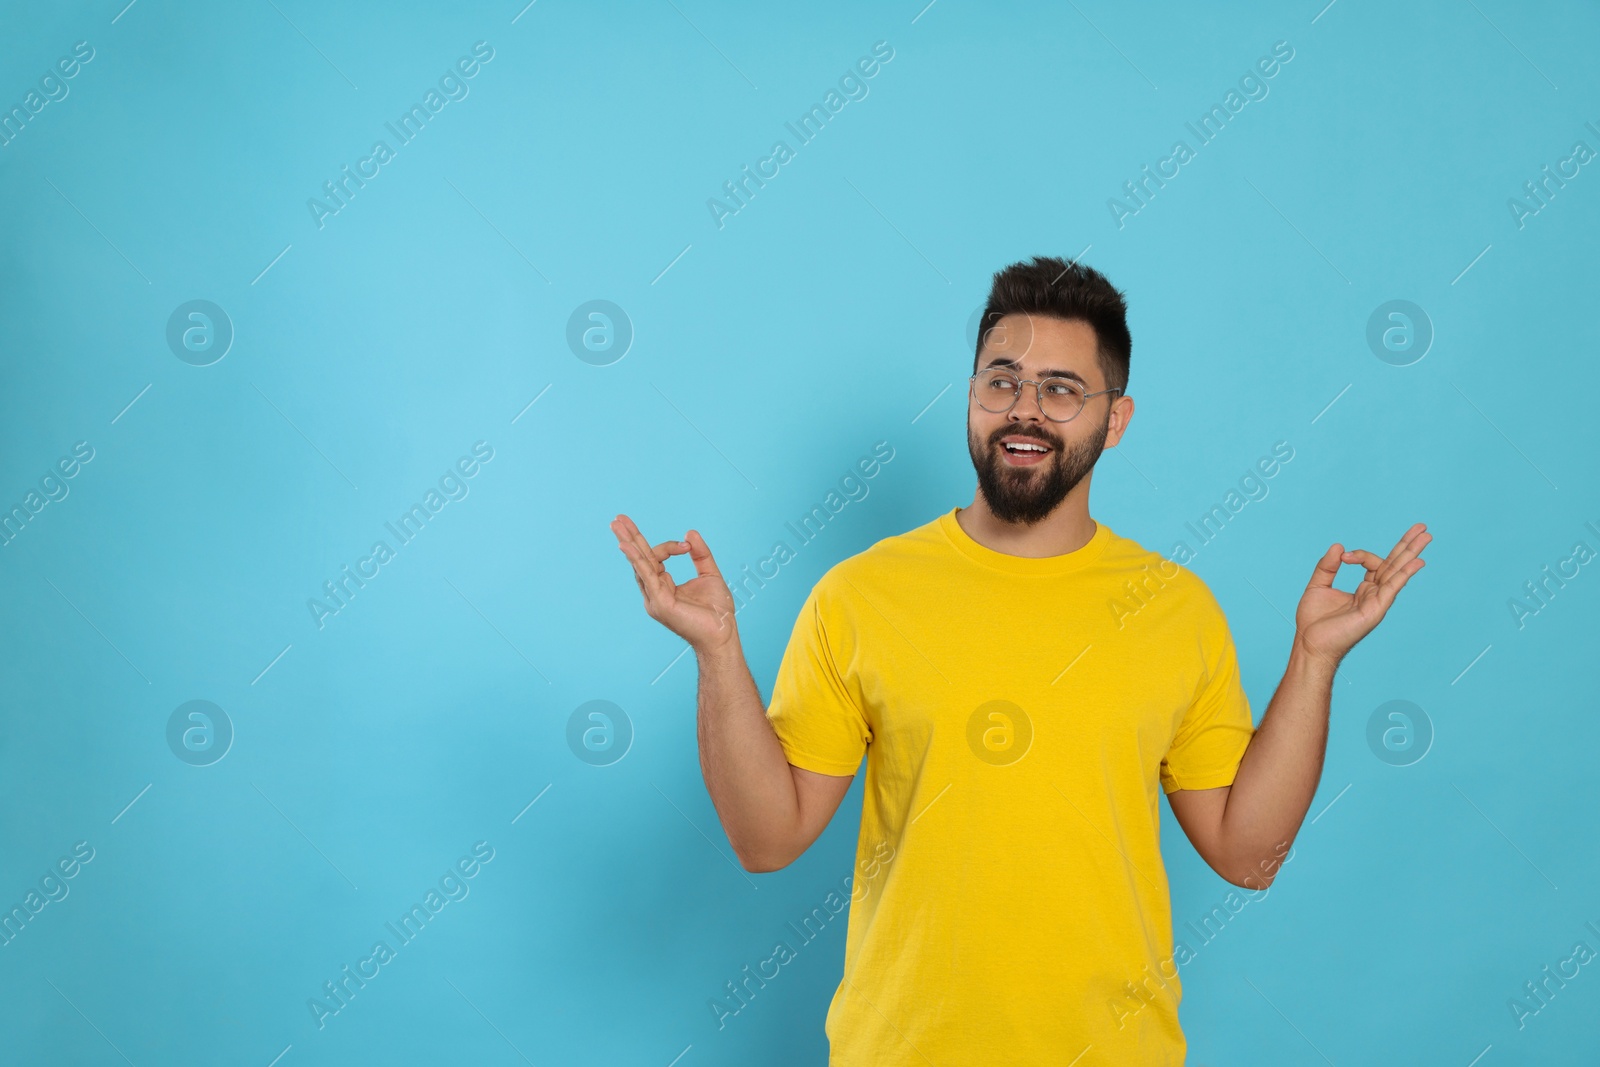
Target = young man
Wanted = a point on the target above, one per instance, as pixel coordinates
(1024, 683)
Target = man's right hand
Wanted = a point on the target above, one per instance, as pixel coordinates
(772, 810)
(700, 610)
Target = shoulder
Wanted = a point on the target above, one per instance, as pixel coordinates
(889, 559)
(1158, 575)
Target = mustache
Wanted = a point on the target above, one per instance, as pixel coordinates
(994, 438)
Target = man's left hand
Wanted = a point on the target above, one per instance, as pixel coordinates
(1330, 621)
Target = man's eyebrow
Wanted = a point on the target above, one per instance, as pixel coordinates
(1012, 364)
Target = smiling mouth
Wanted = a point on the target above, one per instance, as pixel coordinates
(1025, 453)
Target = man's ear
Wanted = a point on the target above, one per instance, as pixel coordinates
(1121, 415)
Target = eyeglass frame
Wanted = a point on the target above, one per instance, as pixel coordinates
(1038, 392)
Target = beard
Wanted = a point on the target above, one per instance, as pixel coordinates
(1027, 495)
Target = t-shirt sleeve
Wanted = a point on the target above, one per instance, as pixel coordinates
(1217, 727)
(813, 710)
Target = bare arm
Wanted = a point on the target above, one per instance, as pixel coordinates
(771, 810)
(1243, 830)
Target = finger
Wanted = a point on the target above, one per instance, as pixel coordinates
(700, 552)
(1390, 587)
(623, 527)
(1409, 535)
(1404, 551)
(654, 581)
(1362, 558)
(636, 541)
(644, 572)
(667, 549)
(1327, 568)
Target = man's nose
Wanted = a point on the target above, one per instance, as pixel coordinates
(1027, 405)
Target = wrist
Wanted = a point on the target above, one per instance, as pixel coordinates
(1313, 662)
(723, 654)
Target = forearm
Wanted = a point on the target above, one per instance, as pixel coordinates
(745, 768)
(1278, 775)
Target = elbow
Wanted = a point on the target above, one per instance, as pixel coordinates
(1257, 875)
(762, 865)
(1250, 879)
(762, 861)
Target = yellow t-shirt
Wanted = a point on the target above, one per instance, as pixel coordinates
(1018, 716)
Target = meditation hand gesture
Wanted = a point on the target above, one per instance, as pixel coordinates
(1329, 621)
(700, 610)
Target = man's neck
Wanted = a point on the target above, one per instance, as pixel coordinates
(1066, 529)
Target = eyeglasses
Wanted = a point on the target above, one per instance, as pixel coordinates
(1060, 399)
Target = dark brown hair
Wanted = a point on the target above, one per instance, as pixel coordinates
(1052, 286)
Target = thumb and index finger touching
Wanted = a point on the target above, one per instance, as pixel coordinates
(700, 553)
(1402, 562)
(648, 562)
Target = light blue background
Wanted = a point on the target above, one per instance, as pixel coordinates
(827, 315)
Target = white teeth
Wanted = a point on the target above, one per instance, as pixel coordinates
(1031, 448)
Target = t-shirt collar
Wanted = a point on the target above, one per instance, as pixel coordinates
(1036, 565)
